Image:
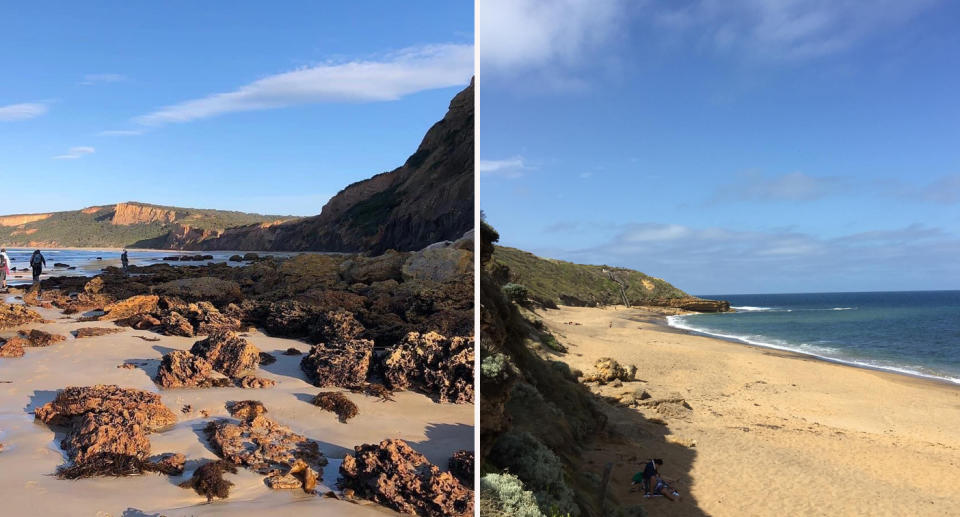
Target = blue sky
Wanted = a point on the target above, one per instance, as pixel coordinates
(254, 106)
(742, 146)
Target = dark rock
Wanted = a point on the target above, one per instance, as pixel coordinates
(181, 369)
(95, 331)
(461, 465)
(433, 363)
(345, 364)
(175, 324)
(140, 322)
(396, 476)
(235, 258)
(246, 409)
(266, 358)
(15, 315)
(230, 354)
(292, 351)
(41, 338)
(208, 480)
(263, 445)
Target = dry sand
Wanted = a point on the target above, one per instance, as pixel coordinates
(768, 432)
(31, 451)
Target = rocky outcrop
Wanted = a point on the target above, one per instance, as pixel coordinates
(461, 465)
(174, 324)
(17, 220)
(208, 480)
(229, 353)
(133, 213)
(607, 369)
(246, 409)
(438, 264)
(15, 315)
(428, 199)
(437, 365)
(13, 347)
(263, 446)
(344, 364)
(140, 304)
(700, 305)
(106, 421)
(181, 369)
(42, 338)
(394, 475)
(95, 331)
(208, 289)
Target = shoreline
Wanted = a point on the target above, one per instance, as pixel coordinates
(748, 417)
(950, 381)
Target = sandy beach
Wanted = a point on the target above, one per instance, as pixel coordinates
(31, 451)
(766, 432)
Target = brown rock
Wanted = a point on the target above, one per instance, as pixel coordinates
(344, 365)
(171, 464)
(246, 409)
(174, 324)
(42, 338)
(94, 331)
(292, 351)
(263, 445)
(230, 354)
(140, 321)
(106, 423)
(207, 320)
(396, 476)
(608, 369)
(134, 305)
(461, 465)
(13, 347)
(251, 381)
(208, 480)
(433, 363)
(217, 291)
(15, 315)
(181, 369)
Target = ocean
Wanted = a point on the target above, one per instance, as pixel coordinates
(916, 333)
(89, 262)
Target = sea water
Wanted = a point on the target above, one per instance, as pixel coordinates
(916, 333)
(89, 262)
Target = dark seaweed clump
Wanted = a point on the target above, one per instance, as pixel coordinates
(208, 479)
(338, 403)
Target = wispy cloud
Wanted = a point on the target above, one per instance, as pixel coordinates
(786, 29)
(22, 111)
(509, 168)
(75, 152)
(396, 75)
(550, 39)
(794, 186)
(91, 79)
(711, 259)
(121, 132)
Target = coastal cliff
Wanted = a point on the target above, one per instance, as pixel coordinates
(428, 199)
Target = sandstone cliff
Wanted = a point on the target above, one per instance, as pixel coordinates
(135, 213)
(428, 199)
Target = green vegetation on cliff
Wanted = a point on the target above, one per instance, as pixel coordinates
(550, 281)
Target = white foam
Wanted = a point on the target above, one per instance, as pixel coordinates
(811, 350)
(747, 308)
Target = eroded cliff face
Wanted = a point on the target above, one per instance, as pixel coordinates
(133, 213)
(17, 220)
(428, 199)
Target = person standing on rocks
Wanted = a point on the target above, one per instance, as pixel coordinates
(124, 261)
(37, 262)
(4, 268)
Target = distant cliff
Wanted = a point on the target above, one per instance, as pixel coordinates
(129, 224)
(428, 199)
(550, 282)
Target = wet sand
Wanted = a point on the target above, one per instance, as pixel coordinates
(769, 432)
(31, 451)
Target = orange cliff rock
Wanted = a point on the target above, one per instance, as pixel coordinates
(131, 213)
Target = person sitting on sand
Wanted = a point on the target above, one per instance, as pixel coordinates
(4, 268)
(37, 262)
(652, 483)
(124, 261)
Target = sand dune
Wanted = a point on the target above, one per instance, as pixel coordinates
(768, 433)
(31, 450)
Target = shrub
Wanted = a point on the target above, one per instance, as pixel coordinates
(503, 494)
(516, 293)
(539, 469)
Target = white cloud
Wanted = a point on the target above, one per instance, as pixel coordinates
(75, 152)
(787, 29)
(23, 111)
(402, 73)
(509, 168)
(550, 40)
(794, 186)
(91, 79)
(121, 132)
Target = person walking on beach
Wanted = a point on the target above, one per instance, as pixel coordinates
(37, 262)
(124, 261)
(4, 268)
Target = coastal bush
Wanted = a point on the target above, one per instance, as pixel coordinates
(516, 293)
(495, 367)
(551, 342)
(503, 495)
(538, 467)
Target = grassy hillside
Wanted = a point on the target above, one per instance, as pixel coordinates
(559, 282)
(101, 226)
